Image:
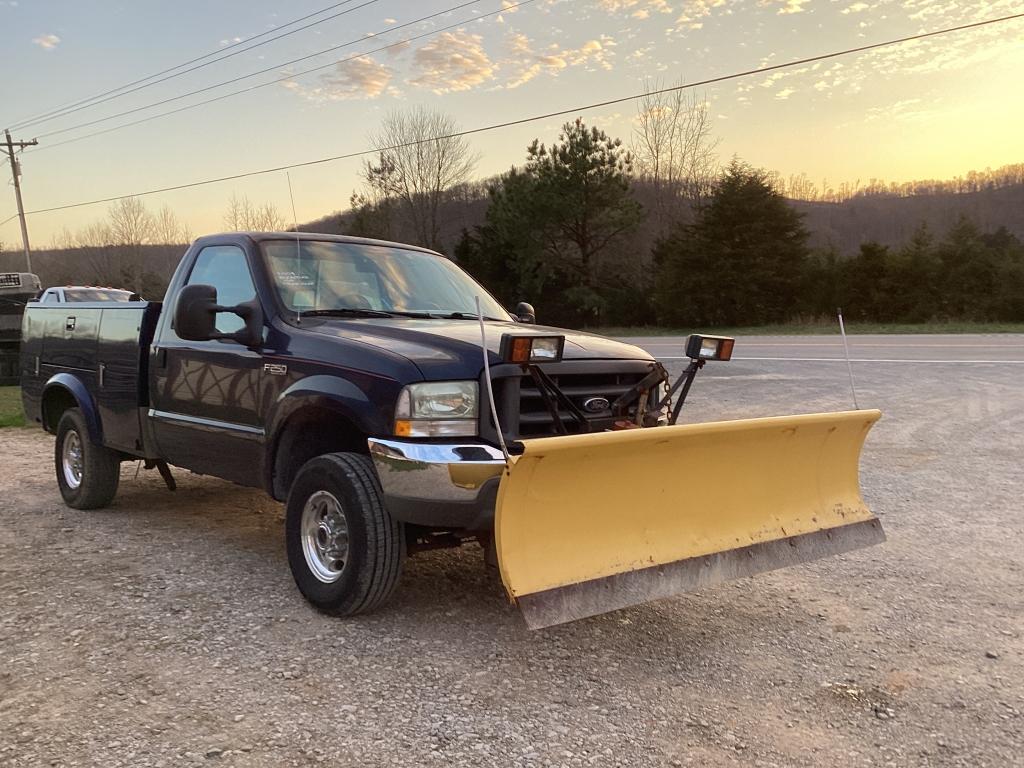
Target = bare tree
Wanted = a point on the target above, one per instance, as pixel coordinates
(130, 222)
(243, 215)
(674, 149)
(419, 161)
(168, 230)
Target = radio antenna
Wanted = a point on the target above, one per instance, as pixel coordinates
(298, 246)
(490, 386)
(846, 349)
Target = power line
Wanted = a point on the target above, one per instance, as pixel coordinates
(204, 89)
(99, 99)
(286, 78)
(545, 116)
(31, 120)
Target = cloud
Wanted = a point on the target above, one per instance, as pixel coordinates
(788, 6)
(696, 10)
(360, 78)
(526, 63)
(639, 9)
(905, 110)
(855, 8)
(396, 48)
(47, 42)
(453, 61)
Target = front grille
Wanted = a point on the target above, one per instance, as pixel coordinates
(10, 280)
(535, 419)
(522, 409)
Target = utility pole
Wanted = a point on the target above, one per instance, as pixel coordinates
(16, 173)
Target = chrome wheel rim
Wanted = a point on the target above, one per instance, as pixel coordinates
(71, 459)
(324, 536)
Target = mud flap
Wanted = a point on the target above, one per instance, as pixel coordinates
(591, 523)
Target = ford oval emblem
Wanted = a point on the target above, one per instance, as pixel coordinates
(597, 404)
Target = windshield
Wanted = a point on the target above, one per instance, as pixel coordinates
(95, 294)
(321, 277)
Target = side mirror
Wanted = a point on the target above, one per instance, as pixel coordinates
(195, 314)
(195, 317)
(525, 313)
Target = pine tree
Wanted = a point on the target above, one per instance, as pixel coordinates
(741, 263)
(556, 229)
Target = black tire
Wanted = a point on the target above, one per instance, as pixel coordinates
(375, 542)
(100, 468)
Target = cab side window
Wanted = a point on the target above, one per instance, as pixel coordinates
(226, 269)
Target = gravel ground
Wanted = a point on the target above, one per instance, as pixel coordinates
(166, 630)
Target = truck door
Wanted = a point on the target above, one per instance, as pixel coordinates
(205, 399)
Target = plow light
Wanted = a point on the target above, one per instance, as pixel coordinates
(531, 349)
(709, 347)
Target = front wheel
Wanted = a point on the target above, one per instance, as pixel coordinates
(87, 474)
(344, 549)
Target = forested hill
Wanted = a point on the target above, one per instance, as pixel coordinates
(845, 225)
(892, 220)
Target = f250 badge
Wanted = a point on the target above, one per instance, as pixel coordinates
(275, 369)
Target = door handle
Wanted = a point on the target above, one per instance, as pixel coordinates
(69, 324)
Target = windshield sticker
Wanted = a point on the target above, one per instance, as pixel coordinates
(295, 279)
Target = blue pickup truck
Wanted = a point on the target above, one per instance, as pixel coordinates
(344, 376)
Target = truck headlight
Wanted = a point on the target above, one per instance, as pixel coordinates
(438, 409)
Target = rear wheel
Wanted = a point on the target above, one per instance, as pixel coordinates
(87, 474)
(344, 549)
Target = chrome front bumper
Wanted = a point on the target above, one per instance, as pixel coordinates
(439, 485)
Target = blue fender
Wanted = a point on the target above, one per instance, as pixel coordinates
(84, 399)
(330, 392)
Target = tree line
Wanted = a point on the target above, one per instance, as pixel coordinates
(802, 187)
(597, 233)
(132, 247)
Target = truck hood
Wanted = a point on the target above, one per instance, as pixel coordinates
(450, 349)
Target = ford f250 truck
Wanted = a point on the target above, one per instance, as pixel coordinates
(395, 406)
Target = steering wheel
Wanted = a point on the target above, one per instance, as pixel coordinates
(355, 301)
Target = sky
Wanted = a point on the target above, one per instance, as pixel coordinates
(929, 109)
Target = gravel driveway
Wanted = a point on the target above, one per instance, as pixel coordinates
(167, 631)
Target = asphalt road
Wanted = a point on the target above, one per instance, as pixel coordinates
(888, 349)
(166, 631)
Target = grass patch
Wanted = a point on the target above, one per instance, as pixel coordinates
(823, 327)
(11, 414)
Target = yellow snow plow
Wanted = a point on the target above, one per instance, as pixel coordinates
(589, 523)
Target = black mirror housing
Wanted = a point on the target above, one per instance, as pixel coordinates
(524, 313)
(195, 314)
(195, 317)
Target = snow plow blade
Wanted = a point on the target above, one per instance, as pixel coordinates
(591, 523)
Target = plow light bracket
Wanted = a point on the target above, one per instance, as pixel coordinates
(527, 350)
(709, 347)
